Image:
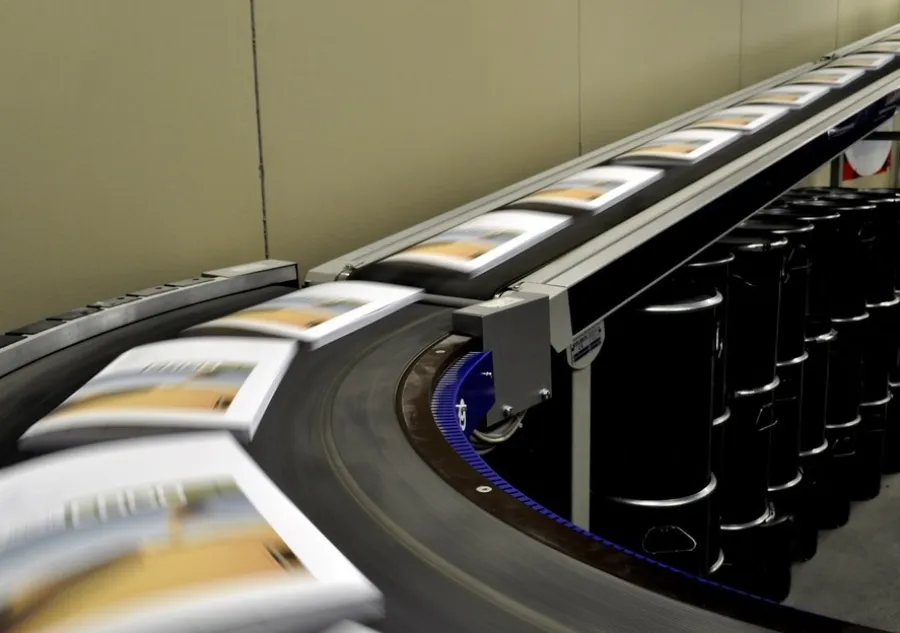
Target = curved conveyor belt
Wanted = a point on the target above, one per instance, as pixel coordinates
(332, 441)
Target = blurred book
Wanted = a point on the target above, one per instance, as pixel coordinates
(318, 315)
(165, 534)
(594, 189)
(867, 61)
(172, 386)
(483, 242)
(830, 76)
(888, 46)
(792, 95)
(685, 146)
(741, 118)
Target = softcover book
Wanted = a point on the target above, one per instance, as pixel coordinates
(594, 189)
(483, 242)
(172, 386)
(181, 533)
(831, 76)
(318, 315)
(682, 146)
(742, 118)
(866, 61)
(890, 47)
(791, 95)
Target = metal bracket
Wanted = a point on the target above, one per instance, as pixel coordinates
(515, 328)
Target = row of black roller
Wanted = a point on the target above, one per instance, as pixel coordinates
(742, 403)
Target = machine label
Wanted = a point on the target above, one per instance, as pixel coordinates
(586, 345)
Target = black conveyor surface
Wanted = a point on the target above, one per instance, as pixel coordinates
(33, 391)
(332, 441)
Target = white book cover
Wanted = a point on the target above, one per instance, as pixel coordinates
(178, 385)
(179, 533)
(318, 315)
(890, 47)
(830, 76)
(595, 189)
(791, 95)
(866, 61)
(683, 145)
(483, 242)
(741, 118)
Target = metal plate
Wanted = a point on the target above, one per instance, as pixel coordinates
(36, 328)
(71, 315)
(112, 303)
(149, 292)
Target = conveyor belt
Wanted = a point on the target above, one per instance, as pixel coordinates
(36, 389)
(332, 442)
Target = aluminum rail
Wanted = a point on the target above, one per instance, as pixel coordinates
(28, 343)
(341, 266)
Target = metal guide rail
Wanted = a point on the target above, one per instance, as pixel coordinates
(598, 263)
(25, 344)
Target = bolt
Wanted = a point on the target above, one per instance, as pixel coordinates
(507, 410)
(483, 489)
(545, 394)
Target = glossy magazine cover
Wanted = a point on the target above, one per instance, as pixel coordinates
(683, 146)
(319, 314)
(792, 95)
(866, 61)
(483, 242)
(831, 76)
(594, 189)
(178, 385)
(742, 118)
(141, 536)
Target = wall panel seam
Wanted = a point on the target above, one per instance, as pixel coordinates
(580, 80)
(259, 133)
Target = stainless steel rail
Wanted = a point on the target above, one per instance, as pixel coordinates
(33, 341)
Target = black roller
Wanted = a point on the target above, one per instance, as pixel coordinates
(755, 296)
(794, 307)
(651, 437)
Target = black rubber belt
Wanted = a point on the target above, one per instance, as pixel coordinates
(332, 441)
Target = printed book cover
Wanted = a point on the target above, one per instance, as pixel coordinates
(683, 146)
(742, 118)
(594, 189)
(890, 47)
(483, 242)
(792, 95)
(141, 536)
(171, 386)
(318, 315)
(866, 61)
(831, 76)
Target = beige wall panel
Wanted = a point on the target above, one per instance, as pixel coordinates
(779, 35)
(129, 148)
(644, 61)
(859, 18)
(377, 115)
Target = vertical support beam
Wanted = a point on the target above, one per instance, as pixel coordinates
(581, 447)
(837, 166)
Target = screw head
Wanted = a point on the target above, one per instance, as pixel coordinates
(507, 410)
(545, 394)
(483, 489)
